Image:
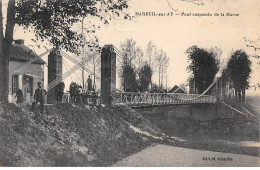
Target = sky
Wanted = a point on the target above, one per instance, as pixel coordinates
(174, 34)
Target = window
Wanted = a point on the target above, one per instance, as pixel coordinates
(14, 83)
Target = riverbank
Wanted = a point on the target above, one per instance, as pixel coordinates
(83, 135)
(71, 135)
(225, 131)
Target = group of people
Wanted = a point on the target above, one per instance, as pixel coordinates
(38, 97)
(77, 95)
(75, 90)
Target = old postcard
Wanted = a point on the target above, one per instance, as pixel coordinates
(129, 83)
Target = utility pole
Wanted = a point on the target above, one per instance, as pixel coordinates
(194, 80)
(83, 51)
(94, 82)
(166, 84)
(195, 88)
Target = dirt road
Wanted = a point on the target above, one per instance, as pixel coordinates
(163, 155)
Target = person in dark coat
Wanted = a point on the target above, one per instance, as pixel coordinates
(73, 92)
(59, 91)
(19, 95)
(89, 80)
(39, 96)
(95, 98)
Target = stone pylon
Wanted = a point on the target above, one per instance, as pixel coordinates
(54, 72)
(108, 75)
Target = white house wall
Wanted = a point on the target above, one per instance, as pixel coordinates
(34, 70)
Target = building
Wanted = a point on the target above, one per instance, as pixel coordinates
(176, 89)
(223, 89)
(24, 76)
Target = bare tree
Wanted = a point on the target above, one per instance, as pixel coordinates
(165, 65)
(254, 44)
(95, 64)
(150, 53)
(139, 62)
(162, 63)
(159, 61)
(132, 53)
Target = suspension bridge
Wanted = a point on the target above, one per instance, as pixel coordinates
(107, 78)
(128, 98)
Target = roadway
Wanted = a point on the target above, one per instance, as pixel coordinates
(159, 155)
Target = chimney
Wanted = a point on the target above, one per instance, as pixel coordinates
(19, 41)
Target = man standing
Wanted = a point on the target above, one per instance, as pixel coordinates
(89, 83)
(59, 91)
(39, 96)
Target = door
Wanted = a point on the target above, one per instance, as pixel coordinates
(28, 88)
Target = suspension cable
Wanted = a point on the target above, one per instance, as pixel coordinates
(66, 67)
(121, 55)
(65, 75)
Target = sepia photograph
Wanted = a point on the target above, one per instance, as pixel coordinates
(129, 83)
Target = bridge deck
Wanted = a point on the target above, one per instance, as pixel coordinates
(147, 99)
(131, 98)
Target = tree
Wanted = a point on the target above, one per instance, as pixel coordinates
(239, 69)
(139, 58)
(6, 42)
(162, 63)
(150, 56)
(52, 20)
(254, 44)
(204, 65)
(183, 86)
(129, 78)
(133, 54)
(131, 62)
(95, 64)
(159, 60)
(150, 53)
(145, 76)
(165, 65)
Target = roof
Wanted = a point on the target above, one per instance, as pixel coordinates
(176, 89)
(23, 54)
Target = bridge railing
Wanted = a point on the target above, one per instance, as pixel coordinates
(66, 98)
(133, 98)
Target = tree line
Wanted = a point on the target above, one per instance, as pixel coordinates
(204, 64)
(138, 67)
